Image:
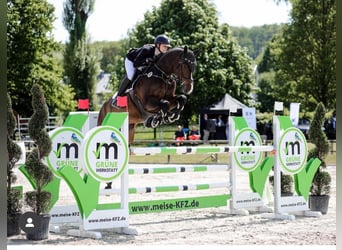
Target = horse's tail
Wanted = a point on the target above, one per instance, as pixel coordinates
(100, 117)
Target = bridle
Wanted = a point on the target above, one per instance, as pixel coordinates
(170, 78)
(190, 64)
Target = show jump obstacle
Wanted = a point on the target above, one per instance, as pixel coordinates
(84, 158)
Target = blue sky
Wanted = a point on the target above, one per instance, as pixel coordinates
(112, 19)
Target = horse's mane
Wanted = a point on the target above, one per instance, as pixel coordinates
(179, 49)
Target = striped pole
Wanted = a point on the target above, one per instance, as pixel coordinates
(199, 150)
(175, 188)
(173, 168)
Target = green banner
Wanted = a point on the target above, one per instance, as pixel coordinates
(158, 206)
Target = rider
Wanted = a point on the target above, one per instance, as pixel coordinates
(138, 58)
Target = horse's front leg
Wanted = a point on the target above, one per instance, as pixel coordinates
(176, 106)
(178, 103)
(164, 107)
(181, 101)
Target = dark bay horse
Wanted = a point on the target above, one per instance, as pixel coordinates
(153, 99)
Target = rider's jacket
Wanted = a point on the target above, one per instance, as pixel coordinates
(141, 56)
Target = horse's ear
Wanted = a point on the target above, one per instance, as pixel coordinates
(197, 51)
(185, 49)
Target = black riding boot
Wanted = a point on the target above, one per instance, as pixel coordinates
(123, 87)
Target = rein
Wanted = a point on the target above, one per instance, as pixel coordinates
(162, 75)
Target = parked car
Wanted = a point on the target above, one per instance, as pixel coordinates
(304, 125)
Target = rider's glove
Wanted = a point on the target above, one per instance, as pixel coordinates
(149, 60)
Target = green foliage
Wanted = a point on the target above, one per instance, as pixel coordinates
(317, 136)
(39, 200)
(80, 59)
(303, 56)
(308, 52)
(255, 38)
(262, 119)
(109, 52)
(31, 56)
(265, 94)
(268, 60)
(14, 204)
(286, 183)
(14, 152)
(75, 16)
(321, 183)
(322, 179)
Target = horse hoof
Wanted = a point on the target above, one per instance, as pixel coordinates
(174, 117)
(152, 122)
(155, 122)
(147, 123)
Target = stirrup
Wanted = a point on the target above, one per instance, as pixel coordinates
(115, 102)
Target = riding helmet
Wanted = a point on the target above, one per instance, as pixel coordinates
(162, 39)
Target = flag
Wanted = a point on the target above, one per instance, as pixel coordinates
(278, 106)
(83, 104)
(122, 101)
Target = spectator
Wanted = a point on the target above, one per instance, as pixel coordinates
(194, 133)
(220, 128)
(219, 121)
(330, 127)
(268, 130)
(227, 128)
(205, 128)
(179, 135)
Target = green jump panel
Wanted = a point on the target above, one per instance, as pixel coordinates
(168, 205)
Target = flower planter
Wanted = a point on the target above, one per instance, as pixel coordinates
(13, 227)
(319, 203)
(42, 229)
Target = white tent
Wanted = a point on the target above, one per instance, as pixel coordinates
(228, 102)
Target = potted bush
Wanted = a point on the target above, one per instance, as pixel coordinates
(286, 184)
(39, 172)
(14, 203)
(320, 189)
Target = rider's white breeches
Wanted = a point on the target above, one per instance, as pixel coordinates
(130, 70)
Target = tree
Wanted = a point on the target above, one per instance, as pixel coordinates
(222, 66)
(321, 183)
(255, 38)
(39, 199)
(266, 97)
(80, 59)
(14, 153)
(109, 52)
(308, 52)
(30, 57)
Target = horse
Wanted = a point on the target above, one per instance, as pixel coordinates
(152, 100)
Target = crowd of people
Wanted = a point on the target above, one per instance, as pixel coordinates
(210, 129)
(182, 134)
